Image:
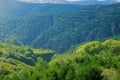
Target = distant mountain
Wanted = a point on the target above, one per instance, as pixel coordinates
(26, 28)
(95, 2)
(44, 1)
(62, 30)
(13, 9)
(83, 2)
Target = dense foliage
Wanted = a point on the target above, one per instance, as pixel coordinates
(90, 61)
(16, 58)
(60, 28)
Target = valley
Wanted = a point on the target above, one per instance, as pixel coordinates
(49, 41)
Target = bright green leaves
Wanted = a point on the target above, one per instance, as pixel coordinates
(112, 46)
(109, 47)
(91, 61)
(90, 48)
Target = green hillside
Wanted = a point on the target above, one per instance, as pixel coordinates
(59, 41)
(61, 31)
(16, 58)
(90, 61)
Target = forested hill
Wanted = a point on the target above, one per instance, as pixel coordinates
(90, 61)
(32, 36)
(16, 58)
(61, 31)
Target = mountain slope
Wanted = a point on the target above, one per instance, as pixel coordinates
(18, 58)
(80, 28)
(61, 31)
(64, 31)
(45, 1)
(79, 2)
(14, 8)
(23, 54)
(96, 2)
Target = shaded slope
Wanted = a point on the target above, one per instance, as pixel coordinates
(60, 31)
(80, 27)
(23, 54)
